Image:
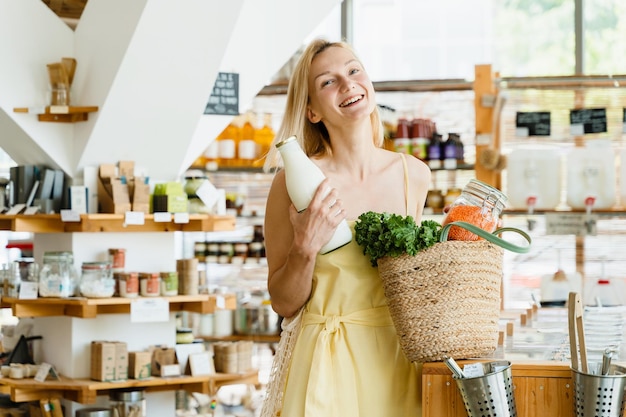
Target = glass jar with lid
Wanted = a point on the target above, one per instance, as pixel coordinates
(57, 275)
(479, 204)
(97, 280)
(128, 403)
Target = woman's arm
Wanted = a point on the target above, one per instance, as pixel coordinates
(293, 240)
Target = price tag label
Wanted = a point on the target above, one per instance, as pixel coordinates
(70, 216)
(146, 310)
(208, 194)
(579, 224)
(162, 217)
(28, 290)
(181, 218)
(577, 129)
(472, 370)
(135, 217)
(521, 132)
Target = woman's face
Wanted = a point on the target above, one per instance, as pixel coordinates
(339, 88)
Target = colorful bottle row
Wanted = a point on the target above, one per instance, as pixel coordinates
(243, 143)
(419, 137)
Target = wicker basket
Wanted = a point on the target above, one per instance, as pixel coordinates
(445, 300)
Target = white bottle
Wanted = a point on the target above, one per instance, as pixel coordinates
(303, 177)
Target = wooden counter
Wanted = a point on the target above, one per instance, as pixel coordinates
(541, 389)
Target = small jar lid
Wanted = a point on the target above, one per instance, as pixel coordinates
(96, 265)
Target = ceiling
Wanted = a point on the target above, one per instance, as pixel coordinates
(68, 10)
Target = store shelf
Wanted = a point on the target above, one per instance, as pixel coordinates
(62, 114)
(257, 338)
(617, 212)
(92, 307)
(93, 223)
(85, 391)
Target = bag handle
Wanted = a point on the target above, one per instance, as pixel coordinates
(491, 237)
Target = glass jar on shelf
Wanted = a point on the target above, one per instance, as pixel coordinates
(479, 204)
(97, 280)
(57, 276)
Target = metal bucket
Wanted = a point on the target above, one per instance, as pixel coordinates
(600, 395)
(94, 412)
(490, 395)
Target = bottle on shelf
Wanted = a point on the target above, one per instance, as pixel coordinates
(256, 247)
(247, 149)
(402, 141)
(228, 140)
(450, 152)
(211, 155)
(263, 138)
(302, 178)
(419, 141)
(434, 151)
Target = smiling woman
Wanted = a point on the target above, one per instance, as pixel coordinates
(346, 338)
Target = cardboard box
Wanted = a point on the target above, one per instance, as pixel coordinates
(162, 357)
(126, 169)
(113, 195)
(121, 361)
(109, 361)
(102, 361)
(140, 195)
(139, 365)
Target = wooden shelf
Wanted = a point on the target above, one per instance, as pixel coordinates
(92, 307)
(52, 223)
(60, 114)
(616, 212)
(85, 391)
(258, 338)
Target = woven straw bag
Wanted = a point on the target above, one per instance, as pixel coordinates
(445, 301)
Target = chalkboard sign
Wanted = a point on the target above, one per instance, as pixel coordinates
(585, 121)
(225, 95)
(535, 123)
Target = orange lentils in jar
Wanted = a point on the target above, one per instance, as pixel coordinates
(479, 204)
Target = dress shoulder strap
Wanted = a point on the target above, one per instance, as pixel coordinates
(406, 183)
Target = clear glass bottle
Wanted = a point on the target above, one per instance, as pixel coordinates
(479, 204)
(97, 280)
(57, 277)
(11, 279)
(303, 177)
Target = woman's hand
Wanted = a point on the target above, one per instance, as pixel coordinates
(315, 226)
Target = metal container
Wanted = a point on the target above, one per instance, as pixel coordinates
(600, 395)
(490, 394)
(128, 403)
(94, 412)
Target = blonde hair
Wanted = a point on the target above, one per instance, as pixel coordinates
(313, 137)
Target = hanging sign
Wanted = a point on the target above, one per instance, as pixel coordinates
(583, 121)
(534, 123)
(224, 98)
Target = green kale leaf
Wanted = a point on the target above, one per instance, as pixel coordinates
(385, 234)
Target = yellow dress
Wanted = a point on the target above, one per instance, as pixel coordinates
(347, 361)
